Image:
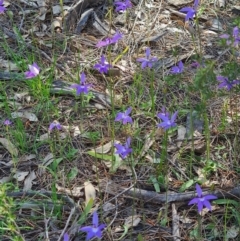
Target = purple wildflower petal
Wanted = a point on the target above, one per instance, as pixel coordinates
(225, 36)
(199, 190)
(148, 61)
(33, 71)
(144, 64)
(207, 204)
(123, 151)
(202, 201)
(122, 6)
(82, 78)
(124, 116)
(95, 219)
(103, 66)
(117, 36)
(128, 111)
(148, 52)
(200, 206)
(2, 8)
(126, 120)
(163, 117)
(210, 197)
(55, 125)
(94, 230)
(195, 5)
(193, 201)
(7, 122)
(235, 32)
(128, 142)
(180, 65)
(86, 229)
(174, 116)
(66, 237)
(90, 235)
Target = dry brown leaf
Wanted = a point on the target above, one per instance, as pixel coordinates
(20, 96)
(25, 114)
(148, 143)
(5, 179)
(181, 134)
(6, 64)
(90, 192)
(28, 181)
(9, 146)
(29, 3)
(46, 136)
(104, 149)
(132, 221)
(20, 176)
(75, 192)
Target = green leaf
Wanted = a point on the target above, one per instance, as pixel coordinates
(124, 233)
(140, 237)
(186, 185)
(100, 155)
(72, 174)
(155, 183)
(117, 162)
(226, 202)
(55, 163)
(86, 211)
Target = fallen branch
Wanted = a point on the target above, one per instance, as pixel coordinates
(149, 196)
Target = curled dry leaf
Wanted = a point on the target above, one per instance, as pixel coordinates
(90, 192)
(28, 181)
(9, 146)
(20, 176)
(75, 192)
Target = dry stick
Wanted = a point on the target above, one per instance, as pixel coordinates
(67, 223)
(153, 197)
(46, 221)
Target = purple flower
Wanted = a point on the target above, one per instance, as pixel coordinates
(235, 36)
(66, 237)
(148, 61)
(2, 8)
(117, 36)
(7, 122)
(166, 121)
(225, 83)
(124, 116)
(122, 6)
(103, 66)
(191, 12)
(164, 112)
(55, 125)
(82, 88)
(33, 71)
(202, 200)
(178, 68)
(94, 230)
(123, 151)
(195, 64)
